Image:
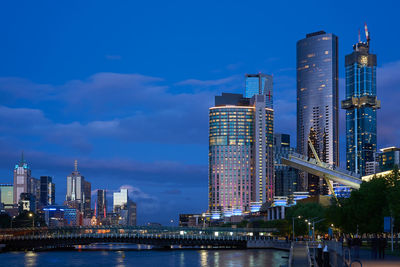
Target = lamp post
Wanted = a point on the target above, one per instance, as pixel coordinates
(33, 219)
(314, 222)
(293, 225)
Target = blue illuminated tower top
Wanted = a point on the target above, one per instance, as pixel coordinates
(360, 104)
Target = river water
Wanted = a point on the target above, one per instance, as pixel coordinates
(159, 258)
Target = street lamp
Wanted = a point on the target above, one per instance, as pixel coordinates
(299, 217)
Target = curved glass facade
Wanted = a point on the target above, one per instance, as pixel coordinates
(317, 98)
(230, 146)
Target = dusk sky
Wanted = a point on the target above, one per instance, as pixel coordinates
(124, 87)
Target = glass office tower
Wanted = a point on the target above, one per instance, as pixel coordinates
(259, 84)
(240, 153)
(317, 101)
(285, 176)
(360, 104)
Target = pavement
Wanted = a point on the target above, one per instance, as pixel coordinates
(300, 258)
(366, 260)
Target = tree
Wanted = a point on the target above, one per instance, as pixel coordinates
(5, 220)
(306, 211)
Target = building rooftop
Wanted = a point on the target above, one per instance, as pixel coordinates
(389, 149)
(315, 34)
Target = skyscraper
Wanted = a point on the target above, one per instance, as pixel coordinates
(240, 153)
(47, 191)
(87, 199)
(285, 176)
(360, 104)
(259, 84)
(34, 189)
(120, 199)
(124, 207)
(78, 191)
(22, 175)
(101, 203)
(317, 100)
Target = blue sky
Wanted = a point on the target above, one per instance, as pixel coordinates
(125, 86)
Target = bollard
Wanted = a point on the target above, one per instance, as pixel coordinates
(326, 257)
(319, 255)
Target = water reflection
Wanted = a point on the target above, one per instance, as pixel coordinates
(144, 257)
(120, 259)
(30, 259)
(203, 258)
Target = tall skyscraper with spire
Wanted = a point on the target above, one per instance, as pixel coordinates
(317, 102)
(360, 104)
(22, 176)
(78, 191)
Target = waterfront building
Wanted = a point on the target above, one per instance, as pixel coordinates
(6, 195)
(131, 213)
(120, 199)
(317, 102)
(101, 203)
(259, 84)
(78, 191)
(241, 166)
(285, 176)
(87, 199)
(22, 175)
(34, 189)
(124, 207)
(371, 167)
(27, 202)
(47, 191)
(388, 158)
(192, 220)
(360, 104)
(54, 215)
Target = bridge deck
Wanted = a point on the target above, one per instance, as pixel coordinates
(333, 173)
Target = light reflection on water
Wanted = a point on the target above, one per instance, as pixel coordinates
(30, 259)
(158, 258)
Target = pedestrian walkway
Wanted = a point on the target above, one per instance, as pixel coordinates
(365, 258)
(300, 255)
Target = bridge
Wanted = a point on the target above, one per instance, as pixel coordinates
(163, 237)
(322, 169)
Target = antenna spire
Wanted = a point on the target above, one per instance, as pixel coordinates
(76, 165)
(367, 33)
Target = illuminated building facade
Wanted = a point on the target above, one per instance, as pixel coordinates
(388, 158)
(6, 194)
(360, 104)
(317, 101)
(240, 153)
(78, 192)
(22, 175)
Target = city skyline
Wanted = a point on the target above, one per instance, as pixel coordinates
(76, 112)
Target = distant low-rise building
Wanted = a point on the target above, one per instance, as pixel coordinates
(192, 220)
